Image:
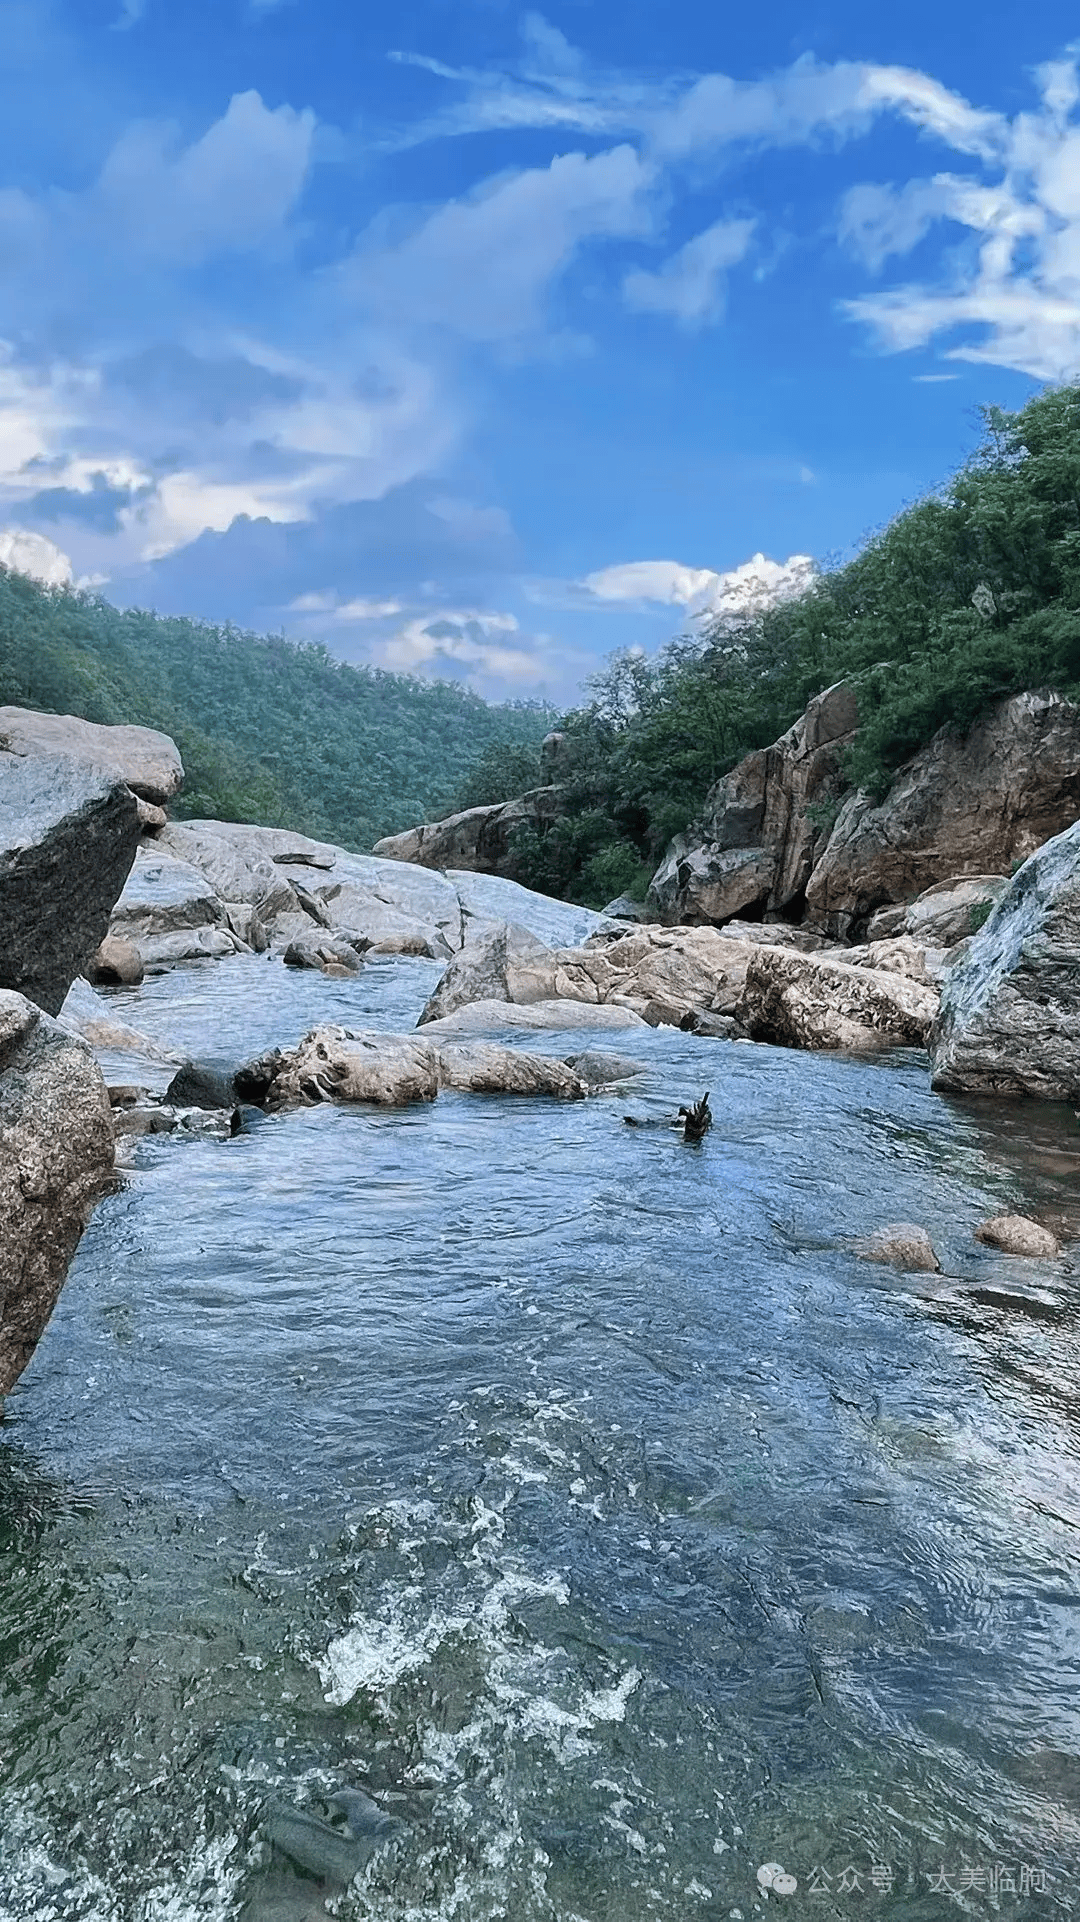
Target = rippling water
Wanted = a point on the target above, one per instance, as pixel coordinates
(575, 1491)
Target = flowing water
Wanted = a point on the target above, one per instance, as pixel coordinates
(576, 1492)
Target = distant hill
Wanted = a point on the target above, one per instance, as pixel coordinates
(271, 730)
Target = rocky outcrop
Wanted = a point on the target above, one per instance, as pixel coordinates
(337, 1064)
(56, 1152)
(813, 1001)
(480, 838)
(169, 912)
(1010, 1009)
(146, 761)
(762, 825)
(68, 835)
(963, 806)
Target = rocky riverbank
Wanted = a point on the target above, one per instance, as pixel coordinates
(97, 882)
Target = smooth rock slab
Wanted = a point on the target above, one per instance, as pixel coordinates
(1010, 1008)
(56, 1153)
(1017, 1235)
(480, 1017)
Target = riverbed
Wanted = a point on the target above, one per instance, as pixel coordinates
(575, 1491)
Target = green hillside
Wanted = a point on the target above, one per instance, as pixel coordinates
(970, 594)
(269, 730)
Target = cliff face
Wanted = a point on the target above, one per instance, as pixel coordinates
(961, 807)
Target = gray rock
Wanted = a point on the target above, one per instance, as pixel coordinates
(146, 761)
(68, 836)
(163, 895)
(962, 806)
(810, 1001)
(56, 1154)
(89, 1015)
(202, 1084)
(1010, 1009)
(624, 909)
(481, 839)
(600, 1070)
(491, 897)
(941, 915)
(505, 963)
(901, 1245)
(1018, 1235)
(338, 1064)
(488, 1017)
(317, 950)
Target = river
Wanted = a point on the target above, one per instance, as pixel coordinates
(575, 1491)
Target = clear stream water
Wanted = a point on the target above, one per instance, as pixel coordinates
(576, 1492)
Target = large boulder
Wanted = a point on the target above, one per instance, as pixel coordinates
(56, 1153)
(762, 825)
(813, 1001)
(336, 1064)
(482, 839)
(963, 806)
(68, 836)
(148, 762)
(505, 963)
(1010, 1009)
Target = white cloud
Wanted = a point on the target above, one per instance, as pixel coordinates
(232, 190)
(690, 285)
(705, 594)
(1018, 304)
(482, 266)
(470, 637)
(27, 553)
(325, 601)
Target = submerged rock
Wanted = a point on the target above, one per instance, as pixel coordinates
(1010, 1009)
(904, 1244)
(56, 1154)
(1017, 1235)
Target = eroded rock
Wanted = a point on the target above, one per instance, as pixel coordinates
(337, 1064)
(481, 839)
(147, 762)
(966, 806)
(812, 1001)
(116, 963)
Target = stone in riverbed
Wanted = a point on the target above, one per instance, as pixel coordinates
(117, 963)
(336, 1064)
(903, 1244)
(147, 762)
(56, 1154)
(1017, 1235)
(320, 950)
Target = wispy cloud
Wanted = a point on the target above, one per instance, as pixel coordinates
(691, 284)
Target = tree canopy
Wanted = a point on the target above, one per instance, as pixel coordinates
(970, 594)
(270, 730)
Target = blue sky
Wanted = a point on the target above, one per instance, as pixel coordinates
(479, 341)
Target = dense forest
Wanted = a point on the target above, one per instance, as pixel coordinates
(270, 730)
(970, 594)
